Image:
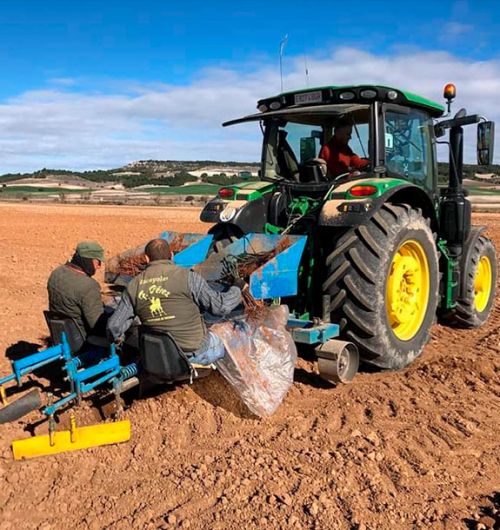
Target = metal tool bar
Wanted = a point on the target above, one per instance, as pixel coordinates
(86, 387)
(306, 332)
(109, 364)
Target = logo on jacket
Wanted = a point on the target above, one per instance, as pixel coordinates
(156, 308)
(156, 311)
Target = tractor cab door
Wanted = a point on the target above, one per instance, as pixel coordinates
(409, 146)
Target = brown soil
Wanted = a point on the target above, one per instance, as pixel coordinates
(417, 448)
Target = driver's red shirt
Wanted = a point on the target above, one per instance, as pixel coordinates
(341, 158)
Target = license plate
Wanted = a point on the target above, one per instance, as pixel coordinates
(308, 97)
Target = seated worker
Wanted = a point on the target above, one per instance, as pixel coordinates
(169, 298)
(75, 294)
(337, 154)
(288, 166)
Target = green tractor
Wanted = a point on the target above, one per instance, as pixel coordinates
(388, 251)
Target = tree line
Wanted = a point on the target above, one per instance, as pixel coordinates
(141, 177)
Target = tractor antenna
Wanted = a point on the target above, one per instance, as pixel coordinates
(282, 49)
(307, 71)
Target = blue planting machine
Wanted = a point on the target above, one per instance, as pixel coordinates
(99, 368)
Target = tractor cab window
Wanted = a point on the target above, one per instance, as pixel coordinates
(291, 143)
(408, 145)
(296, 144)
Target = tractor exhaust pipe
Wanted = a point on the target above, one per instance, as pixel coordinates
(456, 158)
(455, 218)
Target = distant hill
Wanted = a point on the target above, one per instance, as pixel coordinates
(144, 172)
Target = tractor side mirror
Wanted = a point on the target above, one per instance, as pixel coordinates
(485, 142)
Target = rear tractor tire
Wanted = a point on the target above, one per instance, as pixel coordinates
(383, 281)
(480, 277)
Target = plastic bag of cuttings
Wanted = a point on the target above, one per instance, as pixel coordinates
(260, 358)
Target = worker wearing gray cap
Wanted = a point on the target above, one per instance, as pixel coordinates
(75, 294)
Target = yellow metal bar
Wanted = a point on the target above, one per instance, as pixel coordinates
(3, 396)
(72, 440)
(197, 366)
(73, 434)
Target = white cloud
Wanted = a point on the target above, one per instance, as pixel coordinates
(60, 127)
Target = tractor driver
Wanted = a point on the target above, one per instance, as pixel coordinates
(170, 298)
(73, 293)
(337, 154)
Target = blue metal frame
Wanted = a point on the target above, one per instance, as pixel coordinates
(276, 278)
(87, 379)
(306, 332)
(195, 252)
(82, 380)
(30, 363)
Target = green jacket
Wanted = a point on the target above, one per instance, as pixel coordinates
(163, 301)
(75, 295)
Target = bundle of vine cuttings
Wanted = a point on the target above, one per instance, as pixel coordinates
(177, 244)
(242, 266)
(131, 265)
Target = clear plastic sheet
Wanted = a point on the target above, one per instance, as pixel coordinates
(260, 359)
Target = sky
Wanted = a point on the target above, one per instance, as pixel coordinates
(93, 84)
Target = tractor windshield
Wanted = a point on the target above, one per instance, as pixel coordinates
(290, 141)
(409, 137)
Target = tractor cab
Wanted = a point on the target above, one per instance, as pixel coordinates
(391, 134)
(392, 129)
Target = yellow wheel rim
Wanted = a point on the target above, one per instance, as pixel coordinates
(482, 284)
(407, 292)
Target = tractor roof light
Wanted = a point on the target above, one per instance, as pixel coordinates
(226, 193)
(363, 190)
(368, 93)
(262, 107)
(449, 94)
(347, 96)
(449, 91)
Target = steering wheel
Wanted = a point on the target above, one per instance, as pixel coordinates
(312, 163)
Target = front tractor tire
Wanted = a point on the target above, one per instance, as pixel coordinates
(383, 280)
(480, 275)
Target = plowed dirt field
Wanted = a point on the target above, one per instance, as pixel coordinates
(419, 448)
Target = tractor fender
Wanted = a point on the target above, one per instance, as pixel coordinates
(468, 248)
(353, 212)
(247, 216)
